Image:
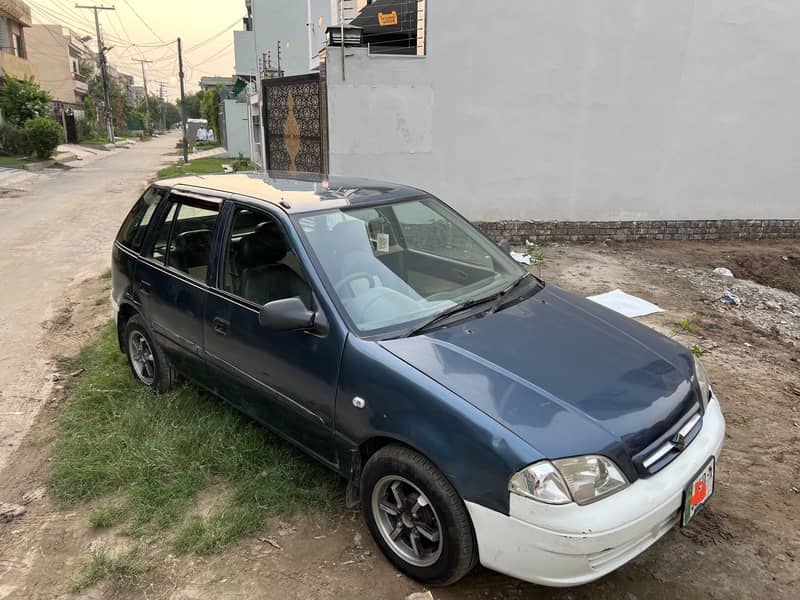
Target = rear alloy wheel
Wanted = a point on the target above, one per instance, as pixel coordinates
(417, 517)
(147, 361)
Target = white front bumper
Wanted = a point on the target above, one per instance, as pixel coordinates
(570, 544)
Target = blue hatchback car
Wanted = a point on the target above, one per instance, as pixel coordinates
(477, 413)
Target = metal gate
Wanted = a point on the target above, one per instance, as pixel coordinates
(296, 127)
(72, 132)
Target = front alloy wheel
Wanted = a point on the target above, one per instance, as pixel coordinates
(407, 521)
(417, 517)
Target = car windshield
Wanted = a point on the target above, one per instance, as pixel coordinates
(396, 266)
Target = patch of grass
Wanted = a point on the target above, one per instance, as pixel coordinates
(101, 300)
(206, 146)
(124, 568)
(106, 516)
(98, 141)
(106, 274)
(201, 166)
(16, 161)
(698, 350)
(156, 453)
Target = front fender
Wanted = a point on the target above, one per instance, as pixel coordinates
(475, 452)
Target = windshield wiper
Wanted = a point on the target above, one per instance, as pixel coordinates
(449, 312)
(498, 298)
(502, 295)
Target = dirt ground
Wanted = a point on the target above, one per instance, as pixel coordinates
(745, 545)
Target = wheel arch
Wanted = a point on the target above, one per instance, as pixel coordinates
(126, 311)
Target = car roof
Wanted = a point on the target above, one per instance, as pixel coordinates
(294, 192)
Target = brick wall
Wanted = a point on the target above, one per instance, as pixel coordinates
(516, 232)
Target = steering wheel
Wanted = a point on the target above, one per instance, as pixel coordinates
(353, 277)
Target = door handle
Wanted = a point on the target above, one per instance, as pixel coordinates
(145, 287)
(221, 326)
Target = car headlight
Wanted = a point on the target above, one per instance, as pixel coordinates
(583, 479)
(702, 382)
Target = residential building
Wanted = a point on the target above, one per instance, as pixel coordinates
(59, 54)
(210, 83)
(137, 93)
(15, 17)
(627, 111)
(278, 31)
(323, 14)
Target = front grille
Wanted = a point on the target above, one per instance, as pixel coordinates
(660, 454)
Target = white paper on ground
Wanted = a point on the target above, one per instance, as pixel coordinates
(521, 258)
(625, 304)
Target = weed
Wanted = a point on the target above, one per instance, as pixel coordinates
(106, 274)
(124, 567)
(535, 254)
(688, 326)
(101, 300)
(158, 452)
(698, 350)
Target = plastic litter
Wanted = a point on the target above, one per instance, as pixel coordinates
(521, 258)
(723, 271)
(729, 298)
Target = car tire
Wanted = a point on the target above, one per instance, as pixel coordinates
(146, 359)
(434, 541)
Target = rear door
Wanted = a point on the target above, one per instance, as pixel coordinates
(171, 282)
(285, 379)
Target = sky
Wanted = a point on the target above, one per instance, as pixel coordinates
(205, 27)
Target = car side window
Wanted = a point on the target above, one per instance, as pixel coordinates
(260, 264)
(161, 242)
(133, 230)
(192, 231)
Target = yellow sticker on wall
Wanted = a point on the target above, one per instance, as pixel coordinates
(385, 19)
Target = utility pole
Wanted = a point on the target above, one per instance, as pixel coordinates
(161, 97)
(147, 125)
(101, 51)
(279, 58)
(184, 125)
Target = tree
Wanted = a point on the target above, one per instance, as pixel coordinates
(209, 107)
(193, 105)
(23, 99)
(171, 114)
(121, 104)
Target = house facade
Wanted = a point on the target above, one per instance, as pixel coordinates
(323, 14)
(15, 18)
(633, 112)
(59, 53)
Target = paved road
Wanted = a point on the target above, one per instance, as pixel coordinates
(60, 230)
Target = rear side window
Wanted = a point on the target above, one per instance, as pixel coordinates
(183, 236)
(133, 230)
(190, 241)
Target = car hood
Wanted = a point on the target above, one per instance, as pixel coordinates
(565, 374)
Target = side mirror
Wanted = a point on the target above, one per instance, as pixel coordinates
(288, 314)
(505, 246)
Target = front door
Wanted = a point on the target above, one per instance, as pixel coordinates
(285, 379)
(171, 280)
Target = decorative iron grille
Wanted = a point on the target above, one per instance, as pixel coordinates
(293, 116)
